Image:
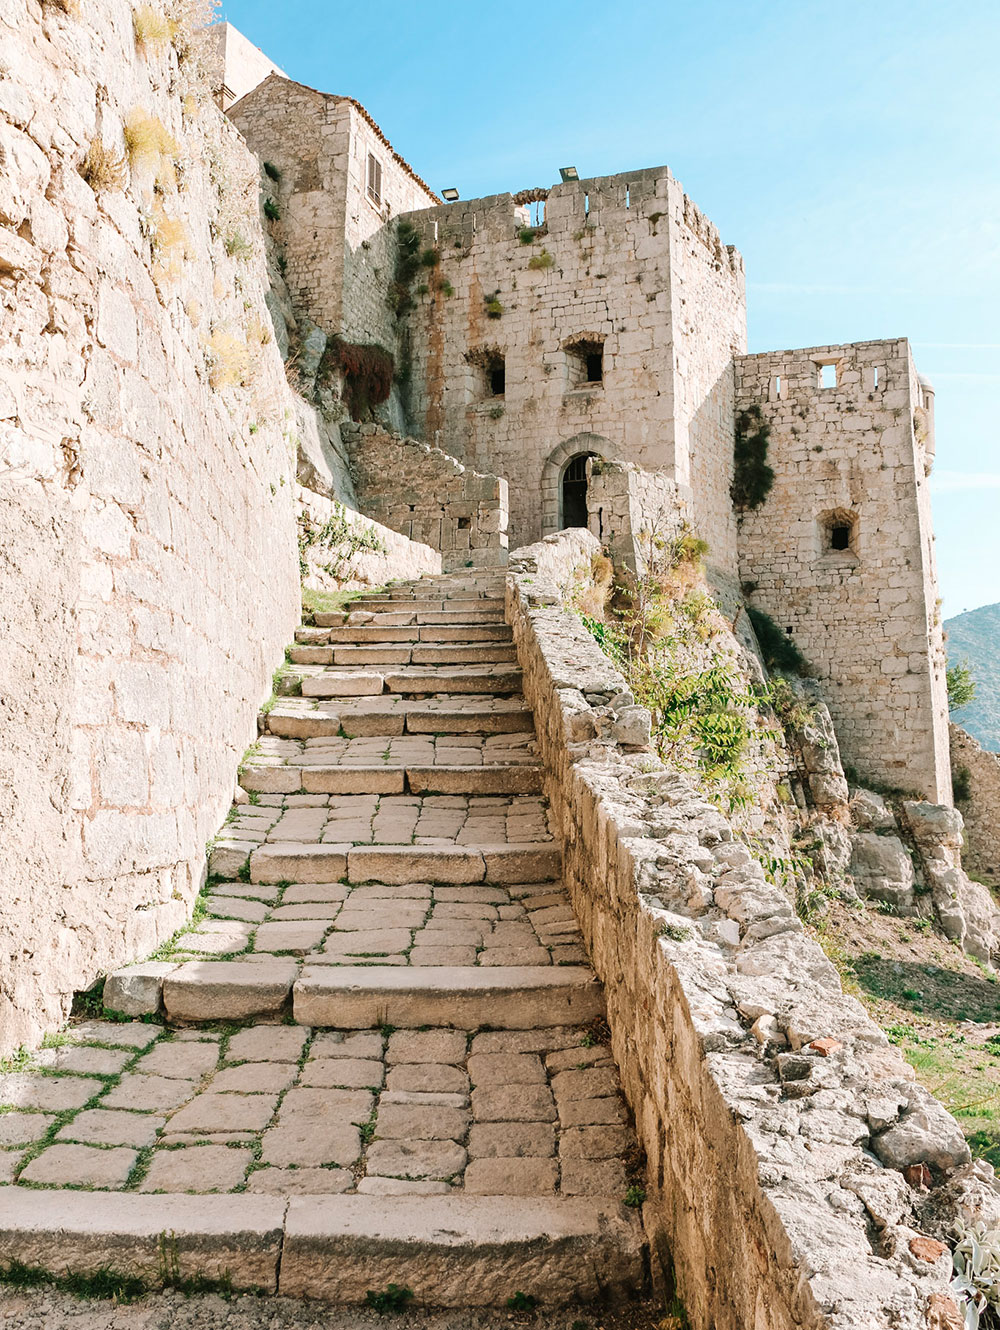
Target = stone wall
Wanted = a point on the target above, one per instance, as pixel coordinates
(624, 262)
(774, 1115)
(633, 513)
(981, 810)
(854, 457)
(148, 580)
(344, 549)
(427, 496)
(235, 64)
(338, 245)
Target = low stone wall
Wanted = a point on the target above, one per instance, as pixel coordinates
(631, 511)
(981, 854)
(764, 1097)
(427, 495)
(344, 549)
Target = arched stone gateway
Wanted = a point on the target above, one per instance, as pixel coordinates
(560, 470)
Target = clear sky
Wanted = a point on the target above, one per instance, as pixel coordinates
(850, 150)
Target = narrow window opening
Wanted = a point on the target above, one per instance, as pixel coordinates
(595, 366)
(840, 537)
(435, 230)
(585, 363)
(628, 196)
(498, 379)
(875, 377)
(586, 205)
(828, 376)
(374, 180)
(788, 630)
(464, 523)
(574, 491)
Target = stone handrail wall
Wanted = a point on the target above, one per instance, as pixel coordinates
(628, 509)
(981, 855)
(764, 1097)
(368, 556)
(427, 495)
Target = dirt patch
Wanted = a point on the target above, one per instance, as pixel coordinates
(935, 1003)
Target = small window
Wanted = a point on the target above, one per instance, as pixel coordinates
(840, 537)
(497, 377)
(585, 362)
(595, 366)
(875, 377)
(828, 376)
(375, 180)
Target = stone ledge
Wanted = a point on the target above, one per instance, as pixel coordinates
(461, 1251)
(237, 1238)
(511, 998)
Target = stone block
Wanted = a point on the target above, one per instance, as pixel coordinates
(228, 990)
(81, 1166)
(291, 861)
(198, 1168)
(499, 1176)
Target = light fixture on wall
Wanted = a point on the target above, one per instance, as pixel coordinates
(449, 195)
(567, 173)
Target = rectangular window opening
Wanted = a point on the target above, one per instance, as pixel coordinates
(840, 537)
(828, 376)
(595, 366)
(374, 179)
(628, 196)
(586, 205)
(777, 387)
(497, 375)
(435, 230)
(464, 523)
(875, 377)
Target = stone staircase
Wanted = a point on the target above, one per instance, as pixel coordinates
(383, 1030)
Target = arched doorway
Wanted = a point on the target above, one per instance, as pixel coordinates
(554, 471)
(573, 491)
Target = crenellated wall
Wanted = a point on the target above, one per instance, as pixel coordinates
(626, 262)
(855, 457)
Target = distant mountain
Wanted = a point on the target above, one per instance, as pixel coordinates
(974, 637)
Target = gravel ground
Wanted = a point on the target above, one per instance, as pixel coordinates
(45, 1309)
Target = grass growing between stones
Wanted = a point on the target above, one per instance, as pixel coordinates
(934, 1003)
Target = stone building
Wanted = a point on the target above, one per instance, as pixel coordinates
(605, 317)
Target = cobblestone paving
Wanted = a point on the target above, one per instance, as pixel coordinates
(285, 1110)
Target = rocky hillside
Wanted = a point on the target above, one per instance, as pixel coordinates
(974, 637)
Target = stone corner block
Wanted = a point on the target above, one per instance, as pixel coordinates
(137, 990)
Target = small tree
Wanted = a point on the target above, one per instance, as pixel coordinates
(961, 685)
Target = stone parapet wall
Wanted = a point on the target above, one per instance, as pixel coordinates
(634, 513)
(148, 575)
(854, 455)
(764, 1097)
(981, 810)
(362, 553)
(429, 497)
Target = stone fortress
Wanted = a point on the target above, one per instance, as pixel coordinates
(605, 317)
(522, 1010)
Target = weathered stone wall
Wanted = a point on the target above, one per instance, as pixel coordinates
(338, 246)
(235, 64)
(427, 496)
(361, 554)
(149, 577)
(634, 513)
(981, 810)
(764, 1097)
(625, 261)
(854, 456)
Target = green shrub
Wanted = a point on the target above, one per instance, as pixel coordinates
(271, 171)
(271, 210)
(961, 784)
(543, 260)
(752, 477)
(777, 648)
(961, 685)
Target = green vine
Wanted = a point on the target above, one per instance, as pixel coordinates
(752, 477)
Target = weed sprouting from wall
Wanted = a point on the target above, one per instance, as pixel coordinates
(272, 210)
(103, 169)
(343, 539)
(408, 264)
(367, 371)
(151, 26)
(752, 477)
(543, 260)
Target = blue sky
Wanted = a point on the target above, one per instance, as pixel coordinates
(848, 150)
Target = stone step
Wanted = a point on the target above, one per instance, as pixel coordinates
(419, 611)
(450, 1250)
(385, 778)
(358, 720)
(297, 861)
(405, 653)
(509, 998)
(369, 632)
(416, 681)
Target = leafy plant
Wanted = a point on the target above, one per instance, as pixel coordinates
(752, 477)
(408, 263)
(961, 685)
(961, 784)
(522, 1302)
(635, 1196)
(976, 1284)
(494, 309)
(237, 245)
(526, 234)
(272, 211)
(543, 260)
(777, 648)
(271, 171)
(367, 371)
(391, 1299)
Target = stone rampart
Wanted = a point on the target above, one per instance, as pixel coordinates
(981, 807)
(426, 495)
(773, 1113)
(342, 549)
